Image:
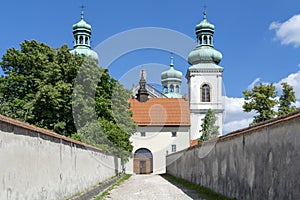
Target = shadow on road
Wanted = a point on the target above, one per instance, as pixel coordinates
(191, 193)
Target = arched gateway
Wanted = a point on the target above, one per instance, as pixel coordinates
(143, 161)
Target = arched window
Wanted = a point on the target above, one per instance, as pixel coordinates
(81, 40)
(165, 90)
(77, 39)
(205, 40)
(172, 88)
(205, 93)
(86, 40)
(177, 89)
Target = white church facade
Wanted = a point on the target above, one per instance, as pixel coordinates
(167, 121)
(163, 128)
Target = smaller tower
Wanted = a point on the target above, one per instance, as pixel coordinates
(171, 82)
(82, 32)
(142, 95)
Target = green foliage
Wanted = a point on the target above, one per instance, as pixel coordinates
(76, 136)
(84, 90)
(37, 86)
(108, 136)
(100, 110)
(261, 99)
(119, 138)
(209, 128)
(286, 100)
(52, 89)
(92, 134)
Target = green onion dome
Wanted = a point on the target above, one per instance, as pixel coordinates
(82, 32)
(87, 52)
(82, 25)
(205, 51)
(204, 54)
(171, 73)
(205, 25)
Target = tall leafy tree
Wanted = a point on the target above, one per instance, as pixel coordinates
(209, 128)
(37, 85)
(51, 88)
(286, 100)
(100, 109)
(261, 99)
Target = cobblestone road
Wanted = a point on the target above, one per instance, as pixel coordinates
(143, 187)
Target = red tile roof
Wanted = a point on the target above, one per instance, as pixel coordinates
(161, 112)
(193, 143)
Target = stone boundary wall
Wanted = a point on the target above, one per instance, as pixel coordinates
(38, 164)
(259, 162)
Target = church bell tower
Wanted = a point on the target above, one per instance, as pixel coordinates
(82, 32)
(204, 78)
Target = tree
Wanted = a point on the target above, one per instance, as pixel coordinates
(286, 100)
(52, 89)
(261, 99)
(100, 110)
(37, 86)
(209, 128)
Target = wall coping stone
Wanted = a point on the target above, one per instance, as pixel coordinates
(46, 132)
(247, 130)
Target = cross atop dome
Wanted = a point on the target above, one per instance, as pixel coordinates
(172, 61)
(204, 12)
(82, 11)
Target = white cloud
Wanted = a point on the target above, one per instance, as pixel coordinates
(288, 32)
(236, 125)
(253, 83)
(293, 80)
(235, 117)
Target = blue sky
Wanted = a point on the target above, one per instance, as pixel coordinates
(258, 39)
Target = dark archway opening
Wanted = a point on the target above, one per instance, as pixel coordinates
(143, 161)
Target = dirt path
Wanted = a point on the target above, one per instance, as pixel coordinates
(143, 187)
